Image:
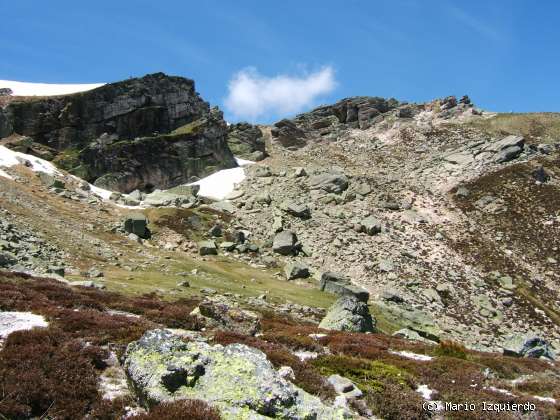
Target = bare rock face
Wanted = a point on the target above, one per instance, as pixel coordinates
(246, 141)
(143, 133)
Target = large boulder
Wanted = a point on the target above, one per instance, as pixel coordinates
(236, 379)
(246, 141)
(528, 346)
(296, 270)
(288, 134)
(285, 243)
(330, 182)
(348, 314)
(339, 284)
(137, 224)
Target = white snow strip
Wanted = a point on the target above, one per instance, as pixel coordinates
(306, 355)
(45, 89)
(425, 392)
(220, 184)
(545, 399)
(410, 355)
(18, 321)
(5, 175)
(100, 192)
(499, 391)
(10, 158)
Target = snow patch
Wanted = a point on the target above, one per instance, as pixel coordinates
(222, 183)
(306, 355)
(499, 390)
(18, 321)
(46, 89)
(5, 175)
(545, 399)
(410, 355)
(425, 392)
(9, 158)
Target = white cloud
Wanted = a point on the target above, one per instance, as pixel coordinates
(252, 95)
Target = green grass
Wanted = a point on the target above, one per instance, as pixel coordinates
(218, 273)
(544, 126)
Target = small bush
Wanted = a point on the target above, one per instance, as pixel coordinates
(451, 349)
(181, 410)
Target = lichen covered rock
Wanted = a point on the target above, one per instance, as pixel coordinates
(236, 379)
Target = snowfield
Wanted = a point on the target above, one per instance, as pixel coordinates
(220, 184)
(18, 321)
(45, 89)
(10, 158)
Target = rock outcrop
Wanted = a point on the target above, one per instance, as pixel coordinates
(143, 133)
(348, 314)
(246, 141)
(236, 379)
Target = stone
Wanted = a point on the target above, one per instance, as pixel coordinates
(223, 206)
(339, 284)
(331, 182)
(58, 270)
(348, 314)
(95, 273)
(385, 265)
(227, 316)
(50, 181)
(540, 175)
(245, 140)
(299, 172)
(284, 243)
(507, 154)
(392, 296)
(506, 282)
(299, 210)
(341, 384)
(411, 318)
(7, 259)
(370, 225)
(263, 198)
(215, 231)
(296, 270)
(207, 248)
(135, 238)
(409, 334)
(138, 224)
(236, 379)
(287, 373)
(227, 246)
(528, 346)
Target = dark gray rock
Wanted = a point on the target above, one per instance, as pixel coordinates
(288, 134)
(207, 248)
(331, 182)
(299, 210)
(348, 314)
(371, 225)
(296, 270)
(533, 347)
(284, 243)
(340, 285)
(541, 175)
(137, 224)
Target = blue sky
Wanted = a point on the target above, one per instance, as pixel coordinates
(504, 54)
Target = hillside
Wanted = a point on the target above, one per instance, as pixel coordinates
(367, 259)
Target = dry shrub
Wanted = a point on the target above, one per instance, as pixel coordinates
(44, 372)
(292, 335)
(181, 410)
(307, 377)
(451, 349)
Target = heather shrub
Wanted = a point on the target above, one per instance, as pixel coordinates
(44, 372)
(181, 410)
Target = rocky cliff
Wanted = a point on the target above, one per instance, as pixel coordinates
(153, 131)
